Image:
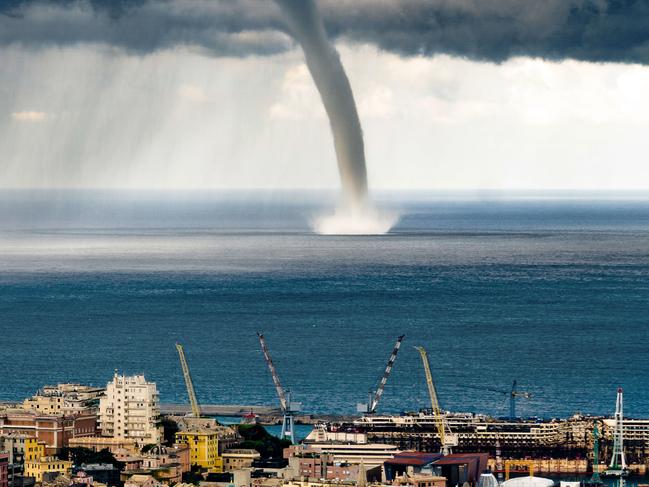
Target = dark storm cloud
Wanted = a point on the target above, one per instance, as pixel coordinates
(219, 27)
(592, 30)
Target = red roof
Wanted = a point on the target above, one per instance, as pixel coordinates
(413, 458)
(460, 458)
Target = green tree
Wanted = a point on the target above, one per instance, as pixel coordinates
(80, 455)
(170, 428)
(257, 438)
(194, 476)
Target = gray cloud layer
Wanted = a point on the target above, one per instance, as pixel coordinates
(219, 27)
(592, 30)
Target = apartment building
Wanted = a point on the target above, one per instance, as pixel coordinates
(130, 408)
(65, 399)
(54, 431)
(37, 468)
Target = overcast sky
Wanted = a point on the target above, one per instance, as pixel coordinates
(215, 94)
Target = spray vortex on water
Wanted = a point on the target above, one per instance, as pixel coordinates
(355, 221)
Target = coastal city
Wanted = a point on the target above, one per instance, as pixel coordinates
(177, 175)
(120, 435)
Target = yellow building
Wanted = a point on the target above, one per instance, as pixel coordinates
(36, 468)
(203, 449)
(44, 404)
(34, 449)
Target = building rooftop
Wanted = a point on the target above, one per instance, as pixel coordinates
(423, 478)
(459, 458)
(98, 466)
(139, 478)
(203, 426)
(414, 458)
(241, 451)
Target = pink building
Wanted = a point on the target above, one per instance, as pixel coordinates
(81, 479)
(315, 465)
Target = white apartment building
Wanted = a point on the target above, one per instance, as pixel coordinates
(130, 409)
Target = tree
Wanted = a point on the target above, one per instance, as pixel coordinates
(80, 455)
(194, 476)
(170, 428)
(257, 438)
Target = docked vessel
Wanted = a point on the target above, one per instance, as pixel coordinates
(559, 445)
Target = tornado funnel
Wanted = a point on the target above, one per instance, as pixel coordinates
(335, 91)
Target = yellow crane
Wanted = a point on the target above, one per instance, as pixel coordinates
(196, 410)
(446, 438)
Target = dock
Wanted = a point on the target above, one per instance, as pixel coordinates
(220, 409)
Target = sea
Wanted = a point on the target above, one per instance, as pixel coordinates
(549, 289)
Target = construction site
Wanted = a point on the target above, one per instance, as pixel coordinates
(613, 446)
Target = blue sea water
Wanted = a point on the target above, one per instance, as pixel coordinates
(300, 431)
(551, 290)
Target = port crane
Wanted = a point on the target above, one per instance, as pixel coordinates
(512, 394)
(287, 407)
(375, 396)
(596, 478)
(618, 466)
(196, 410)
(447, 439)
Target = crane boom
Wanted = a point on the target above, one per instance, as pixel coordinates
(482, 388)
(513, 393)
(512, 399)
(288, 408)
(386, 374)
(196, 410)
(281, 394)
(596, 477)
(446, 439)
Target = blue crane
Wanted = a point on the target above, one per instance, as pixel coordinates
(512, 394)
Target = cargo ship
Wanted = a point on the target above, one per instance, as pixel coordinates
(569, 439)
